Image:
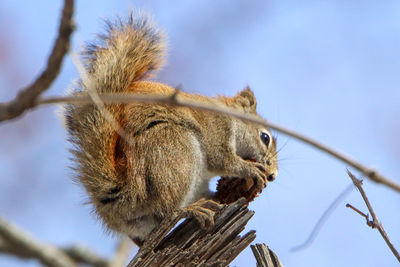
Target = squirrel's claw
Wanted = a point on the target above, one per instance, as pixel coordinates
(202, 211)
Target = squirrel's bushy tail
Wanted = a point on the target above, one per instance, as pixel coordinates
(126, 53)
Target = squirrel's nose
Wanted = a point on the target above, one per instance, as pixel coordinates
(271, 177)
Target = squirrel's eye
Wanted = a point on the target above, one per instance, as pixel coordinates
(266, 138)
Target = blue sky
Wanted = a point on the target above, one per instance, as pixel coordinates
(328, 69)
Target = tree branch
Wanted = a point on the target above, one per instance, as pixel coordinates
(16, 242)
(176, 100)
(23, 245)
(26, 98)
(375, 223)
(122, 253)
(85, 256)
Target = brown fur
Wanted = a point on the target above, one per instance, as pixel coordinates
(170, 153)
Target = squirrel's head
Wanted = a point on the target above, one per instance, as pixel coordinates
(253, 141)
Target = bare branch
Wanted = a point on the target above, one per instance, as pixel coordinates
(26, 98)
(16, 242)
(86, 256)
(176, 100)
(122, 253)
(23, 245)
(366, 216)
(265, 257)
(375, 223)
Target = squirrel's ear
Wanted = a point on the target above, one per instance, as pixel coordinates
(247, 100)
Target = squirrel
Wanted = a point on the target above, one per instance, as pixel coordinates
(171, 153)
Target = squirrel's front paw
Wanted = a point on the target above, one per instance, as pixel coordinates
(258, 172)
(202, 211)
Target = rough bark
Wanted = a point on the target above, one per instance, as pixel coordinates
(189, 245)
(265, 257)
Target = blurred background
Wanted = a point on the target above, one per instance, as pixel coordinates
(328, 69)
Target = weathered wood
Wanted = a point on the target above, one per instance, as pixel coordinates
(265, 257)
(189, 245)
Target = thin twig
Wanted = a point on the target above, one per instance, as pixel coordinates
(26, 98)
(375, 223)
(366, 216)
(323, 219)
(176, 100)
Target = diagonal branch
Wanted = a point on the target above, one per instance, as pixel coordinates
(26, 98)
(375, 223)
(18, 243)
(321, 221)
(84, 255)
(175, 100)
(25, 246)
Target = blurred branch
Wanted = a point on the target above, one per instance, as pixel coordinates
(85, 256)
(375, 223)
(122, 253)
(190, 245)
(21, 244)
(176, 100)
(265, 257)
(16, 242)
(321, 221)
(95, 98)
(26, 98)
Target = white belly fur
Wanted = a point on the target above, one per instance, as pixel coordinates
(198, 187)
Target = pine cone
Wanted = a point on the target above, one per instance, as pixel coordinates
(230, 189)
